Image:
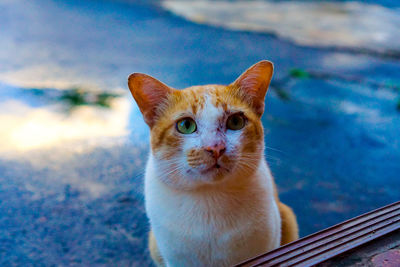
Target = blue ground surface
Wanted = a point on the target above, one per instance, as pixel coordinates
(334, 147)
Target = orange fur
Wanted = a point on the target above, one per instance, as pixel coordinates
(163, 106)
(289, 228)
(154, 252)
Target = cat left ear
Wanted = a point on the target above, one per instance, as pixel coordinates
(254, 84)
(149, 94)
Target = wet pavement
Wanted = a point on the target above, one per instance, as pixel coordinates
(73, 144)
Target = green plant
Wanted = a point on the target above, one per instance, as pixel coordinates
(299, 74)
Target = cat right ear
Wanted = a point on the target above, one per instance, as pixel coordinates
(148, 93)
(254, 84)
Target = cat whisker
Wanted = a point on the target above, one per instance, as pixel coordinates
(275, 149)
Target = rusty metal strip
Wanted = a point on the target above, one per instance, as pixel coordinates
(333, 241)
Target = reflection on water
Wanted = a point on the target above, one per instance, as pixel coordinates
(45, 118)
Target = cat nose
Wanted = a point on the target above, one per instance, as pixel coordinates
(216, 150)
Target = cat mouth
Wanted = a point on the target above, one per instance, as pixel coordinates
(215, 168)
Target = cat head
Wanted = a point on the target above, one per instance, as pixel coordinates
(203, 135)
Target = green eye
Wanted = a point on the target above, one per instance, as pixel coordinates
(235, 122)
(186, 126)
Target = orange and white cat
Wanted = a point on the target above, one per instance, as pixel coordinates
(209, 193)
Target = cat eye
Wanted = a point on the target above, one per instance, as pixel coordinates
(236, 122)
(186, 126)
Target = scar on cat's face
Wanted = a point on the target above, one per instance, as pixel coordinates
(203, 134)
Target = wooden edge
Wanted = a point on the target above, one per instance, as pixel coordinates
(334, 240)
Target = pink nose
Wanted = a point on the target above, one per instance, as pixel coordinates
(216, 150)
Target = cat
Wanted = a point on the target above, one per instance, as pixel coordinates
(209, 193)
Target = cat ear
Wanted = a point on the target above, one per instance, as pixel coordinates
(254, 84)
(149, 93)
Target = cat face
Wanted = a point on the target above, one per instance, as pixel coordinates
(204, 135)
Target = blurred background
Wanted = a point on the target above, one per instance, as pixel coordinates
(73, 143)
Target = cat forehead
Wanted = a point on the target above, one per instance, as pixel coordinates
(210, 110)
(208, 98)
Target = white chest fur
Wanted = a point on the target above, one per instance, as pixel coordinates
(212, 228)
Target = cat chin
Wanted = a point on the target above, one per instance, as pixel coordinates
(215, 176)
(198, 180)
